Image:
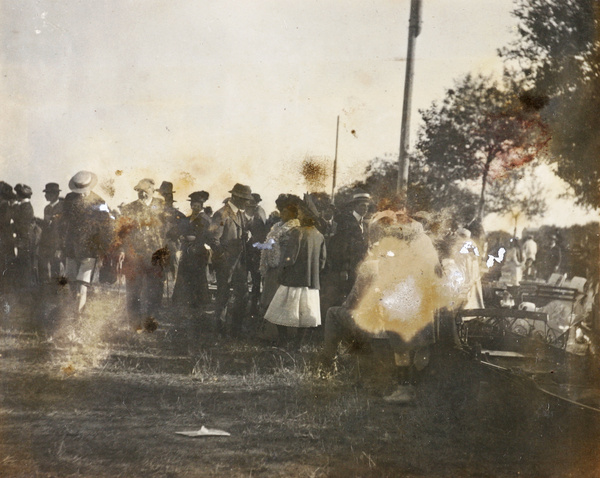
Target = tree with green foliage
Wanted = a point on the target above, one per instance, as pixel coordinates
(477, 132)
(557, 58)
(518, 194)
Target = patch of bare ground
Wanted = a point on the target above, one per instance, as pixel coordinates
(89, 397)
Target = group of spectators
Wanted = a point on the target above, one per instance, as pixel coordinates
(522, 261)
(268, 267)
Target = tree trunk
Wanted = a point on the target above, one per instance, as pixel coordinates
(486, 170)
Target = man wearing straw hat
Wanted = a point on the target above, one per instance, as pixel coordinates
(86, 234)
(143, 254)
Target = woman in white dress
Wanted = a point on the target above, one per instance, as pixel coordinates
(297, 303)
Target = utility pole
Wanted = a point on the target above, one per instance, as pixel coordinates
(414, 28)
(337, 134)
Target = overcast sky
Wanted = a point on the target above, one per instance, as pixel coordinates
(209, 93)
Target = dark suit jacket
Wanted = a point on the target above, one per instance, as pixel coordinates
(226, 237)
(303, 258)
(348, 246)
(50, 240)
(86, 226)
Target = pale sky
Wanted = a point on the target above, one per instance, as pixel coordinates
(209, 93)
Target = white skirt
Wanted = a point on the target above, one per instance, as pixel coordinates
(295, 307)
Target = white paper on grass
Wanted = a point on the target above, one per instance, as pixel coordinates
(205, 432)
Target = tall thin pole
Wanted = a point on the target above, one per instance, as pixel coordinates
(414, 28)
(337, 135)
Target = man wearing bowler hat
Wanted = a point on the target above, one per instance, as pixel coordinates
(86, 228)
(228, 236)
(173, 220)
(51, 265)
(143, 254)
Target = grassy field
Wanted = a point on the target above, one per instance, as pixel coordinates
(92, 398)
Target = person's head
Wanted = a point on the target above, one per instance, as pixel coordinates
(360, 203)
(327, 213)
(166, 191)
(83, 182)
(145, 189)
(241, 195)
(23, 191)
(51, 192)
(289, 208)
(197, 200)
(6, 191)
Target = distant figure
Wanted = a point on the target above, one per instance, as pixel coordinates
(529, 270)
(512, 268)
(51, 265)
(296, 303)
(143, 254)
(551, 259)
(529, 249)
(86, 234)
(228, 239)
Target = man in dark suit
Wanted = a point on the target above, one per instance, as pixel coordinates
(7, 241)
(143, 254)
(228, 237)
(23, 227)
(347, 248)
(51, 265)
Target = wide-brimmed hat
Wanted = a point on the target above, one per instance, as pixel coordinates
(83, 182)
(23, 191)
(199, 196)
(242, 191)
(309, 208)
(52, 188)
(145, 184)
(166, 187)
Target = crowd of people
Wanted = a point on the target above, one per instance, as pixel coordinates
(363, 273)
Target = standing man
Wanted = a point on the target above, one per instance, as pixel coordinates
(173, 219)
(23, 224)
(228, 238)
(256, 222)
(529, 249)
(348, 248)
(86, 234)
(7, 241)
(143, 255)
(51, 266)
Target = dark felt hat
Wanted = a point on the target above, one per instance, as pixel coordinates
(198, 196)
(52, 188)
(166, 187)
(23, 191)
(242, 191)
(256, 197)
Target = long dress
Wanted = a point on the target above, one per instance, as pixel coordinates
(296, 302)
